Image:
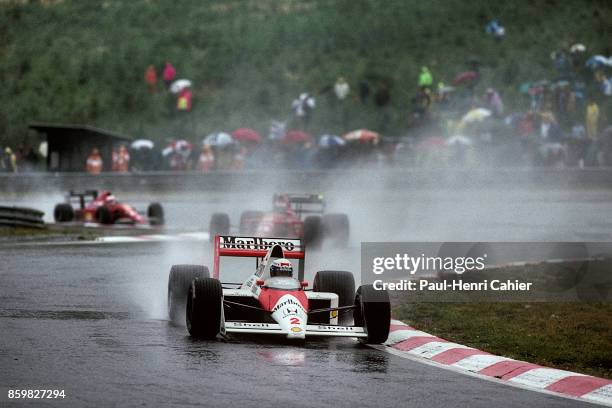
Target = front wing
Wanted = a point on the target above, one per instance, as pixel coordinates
(311, 329)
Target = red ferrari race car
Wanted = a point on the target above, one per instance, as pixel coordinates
(272, 300)
(293, 216)
(103, 208)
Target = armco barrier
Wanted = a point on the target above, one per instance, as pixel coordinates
(320, 180)
(21, 217)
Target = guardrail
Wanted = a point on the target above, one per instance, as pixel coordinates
(311, 180)
(21, 217)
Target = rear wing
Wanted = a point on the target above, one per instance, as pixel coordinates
(256, 247)
(81, 195)
(302, 203)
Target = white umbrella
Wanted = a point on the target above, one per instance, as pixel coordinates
(459, 140)
(43, 149)
(180, 84)
(218, 139)
(578, 48)
(476, 115)
(142, 144)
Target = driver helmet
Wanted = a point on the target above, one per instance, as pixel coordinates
(110, 199)
(281, 267)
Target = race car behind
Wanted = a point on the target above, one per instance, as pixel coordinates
(102, 207)
(271, 300)
(293, 216)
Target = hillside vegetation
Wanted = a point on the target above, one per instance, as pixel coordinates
(83, 61)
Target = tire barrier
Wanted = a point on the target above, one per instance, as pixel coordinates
(21, 217)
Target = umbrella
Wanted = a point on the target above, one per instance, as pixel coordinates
(246, 135)
(218, 139)
(178, 146)
(465, 77)
(475, 115)
(446, 89)
(597, 61)
(362, 135)
(180, 84)
(327, 141)
(296, 136)
(459, 140)
(142, 144)
(578, 48)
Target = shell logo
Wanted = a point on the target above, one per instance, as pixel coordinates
(296, 329)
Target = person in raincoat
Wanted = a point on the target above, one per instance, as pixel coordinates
(592, 119)
(206, 161)
(9, 161)
(151, 79)
(425, 78)
(94, 162)
(169, 74)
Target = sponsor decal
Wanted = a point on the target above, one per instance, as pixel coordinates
(289, 301)
(338, 328)
(251, 325)
(255, 243)
(296, 329)
(290, 311)
(333, 314)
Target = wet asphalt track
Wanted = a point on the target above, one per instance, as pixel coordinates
(91, 320)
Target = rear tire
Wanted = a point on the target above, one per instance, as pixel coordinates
(373, 312)
(204, 308)
(179, 281)
(219, 225)
(341, 283)
(155, 213)
(313, 232)
(104, 216)
(336, 228)
(249, 220)
(63, 212)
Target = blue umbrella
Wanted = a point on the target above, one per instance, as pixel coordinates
(327, 141)
(597, 61)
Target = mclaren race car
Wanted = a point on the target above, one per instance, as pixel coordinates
(103, 208)
(292, 216)
(273, 301)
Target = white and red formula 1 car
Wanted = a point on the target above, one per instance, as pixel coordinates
(282, 305)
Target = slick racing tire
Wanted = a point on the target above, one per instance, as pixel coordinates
(179, 281)
(373, 312)
(336, 228)
(104, 215)
(204, 308)
(313, 232)
(63, 212)
(341, 283)
(249, 220)
(155, 213)
(219, 225)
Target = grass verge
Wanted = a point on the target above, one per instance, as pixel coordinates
(568, 336)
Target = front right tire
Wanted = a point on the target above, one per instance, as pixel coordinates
(179, 280)
(373, 312)
(205, 308)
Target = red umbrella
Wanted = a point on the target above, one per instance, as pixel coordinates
(246, 135)
(296, 136)
(464, 77)
(362, 135)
